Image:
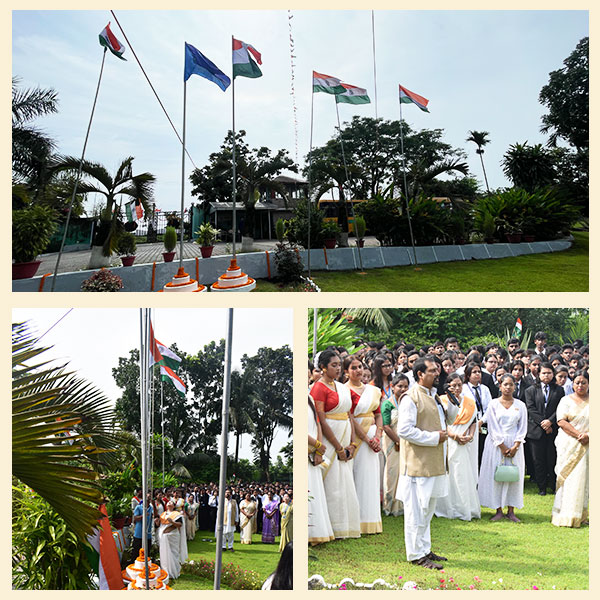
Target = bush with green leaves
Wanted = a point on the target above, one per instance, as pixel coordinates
(289, 265)
(333, 329)
(207, 234)
(170, 239)
(126, 245)
(103, 280)
(46, 554)
(32, 229)
(330, 230)
(232, 576)
(360, 227)
(297, 226)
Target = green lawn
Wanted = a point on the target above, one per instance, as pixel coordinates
(503, 554)
(259, 557)
(551, 272)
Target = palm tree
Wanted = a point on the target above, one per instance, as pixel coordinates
(481, 139)
(31, 147)
(61, 427)
(124, 183)
(239, 417)
(421, 172)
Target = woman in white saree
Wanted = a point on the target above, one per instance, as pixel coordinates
(247, 511)
(368, 427)
(172, 541)
(333, 404)
(462, 501)
(572, 456)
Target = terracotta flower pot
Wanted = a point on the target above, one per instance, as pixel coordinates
(528, 237)
(127, 260)
(25, 270)
(360, 243)
(329, 244)
(206, 251)
(118, 522)
(513, 238)
(169, 256)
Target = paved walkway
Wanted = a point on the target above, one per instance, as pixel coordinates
(149, 253)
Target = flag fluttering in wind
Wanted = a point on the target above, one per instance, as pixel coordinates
(167, 374)
(407, 97)
(243, 65)
(108, 40)
(160, 354)
(134, 208)
(327, 84)
(518, 330)
(197, 64)
(106, 556)
(353, 95)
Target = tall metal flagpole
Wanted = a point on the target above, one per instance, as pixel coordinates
(182, 178)
(412, 239)
(162, 430)
(144, 326)
(224, 435)
(315, 315)
(233, 152)
(337, 112)
(312, 102)
(62, 244)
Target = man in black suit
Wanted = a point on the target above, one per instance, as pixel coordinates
(487, 374)
(542, 400)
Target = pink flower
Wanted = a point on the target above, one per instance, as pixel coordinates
(471, 587)
(400, 577)
(534, 587)
(458, 588)
(343, 586)
(476, 578)
(451, 579)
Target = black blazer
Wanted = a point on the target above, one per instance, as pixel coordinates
(536, 412)
(530, 379)
(524, 385)
(488, 380)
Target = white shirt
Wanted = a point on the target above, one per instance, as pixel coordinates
(484, 393)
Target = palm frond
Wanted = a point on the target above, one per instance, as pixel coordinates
(378, 317)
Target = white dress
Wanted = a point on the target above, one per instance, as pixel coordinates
(506, 425)
(366, 464)
(319, 525)
(462, 501)
(173, 547)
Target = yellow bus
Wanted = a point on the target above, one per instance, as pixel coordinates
(330, 208)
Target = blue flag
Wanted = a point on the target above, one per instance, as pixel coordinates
(196, 63)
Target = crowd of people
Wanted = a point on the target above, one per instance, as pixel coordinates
(175, 515)
(438, 430)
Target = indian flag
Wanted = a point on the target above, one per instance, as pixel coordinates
(518, 330)
(353, 95)
(108, 40)
(160, 354)
(406, 97)
(243, 65)
(129, 212)
(167, 374)
(327, 84)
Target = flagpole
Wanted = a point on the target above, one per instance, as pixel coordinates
(182, 177)
(315, 315)
(62, 244)
(233, 151)
(143, 418)
(162, 427)
(376, 188)
(337, 112)
(412, 239)
(312, 102)
(224, 434)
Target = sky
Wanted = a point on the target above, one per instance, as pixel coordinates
(481, 70)
(92, 340)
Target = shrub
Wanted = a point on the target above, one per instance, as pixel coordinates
(126, 244)
(297, 227)
(280, 229)
(289, 265)
(231, 575)
(32, 229)
(170, 239)
(102, 281)
(330, 230)
(360, 227)
(207, 234)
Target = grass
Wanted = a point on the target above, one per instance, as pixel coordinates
(259, 557)
(525, 554)
(550, 272)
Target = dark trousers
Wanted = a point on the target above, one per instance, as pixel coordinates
(482, 437)
(212, 517)
(543, 453)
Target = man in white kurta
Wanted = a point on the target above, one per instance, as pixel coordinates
(230, 518)
(422, 422)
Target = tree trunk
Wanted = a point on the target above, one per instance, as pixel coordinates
(97, 259)
(237, 447)
(484, 173)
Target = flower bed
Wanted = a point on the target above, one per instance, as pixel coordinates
(316, 582)
(231, 575)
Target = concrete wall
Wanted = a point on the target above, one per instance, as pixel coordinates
(261, 265)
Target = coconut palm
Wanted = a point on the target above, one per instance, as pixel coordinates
(481, 139)
(61, 426)
(421, 173)
(31, 147)
(239, 417)
(100, 181)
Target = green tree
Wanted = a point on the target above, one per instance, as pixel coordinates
(100, 181)
(239, 416)
(481, 139)
(270, 374)
(529, 167)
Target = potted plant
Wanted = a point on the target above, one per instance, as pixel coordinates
(330, 231)
(118, 510)
(207, 235)
(103, 280)
(32, 229)
(360, 227)
(169, 241)
(173, 219)
(512, 232)
(126, 248)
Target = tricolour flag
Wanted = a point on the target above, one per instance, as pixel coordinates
(106, 556)
(518, 330)
(129, 212)
(353, 95)
(197, 64)
(327, 84)
(243, 65)
(406, 96)
(161, 355)
(139, 211)
(108, 40)
(167, 374)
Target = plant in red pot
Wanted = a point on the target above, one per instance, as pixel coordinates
(126, 248)
(32, 229)
(170, 242)
(330, 231)
(360, 228)
(207, 236)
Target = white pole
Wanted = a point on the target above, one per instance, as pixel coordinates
(182, 178)
(162, 425)
(224, 436)
(233, 225)
(312, 102)
(315, 315)
(144, 326)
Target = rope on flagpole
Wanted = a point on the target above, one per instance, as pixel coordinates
(87, 135)
(150, 84)
(233, 150)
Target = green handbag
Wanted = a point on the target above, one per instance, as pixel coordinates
(507, 473)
